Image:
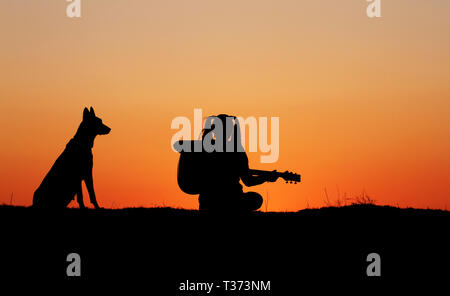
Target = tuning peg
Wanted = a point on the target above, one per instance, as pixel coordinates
(287, 182)
(295, 182)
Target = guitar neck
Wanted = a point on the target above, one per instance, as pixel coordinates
(262, 173)
(287, 176)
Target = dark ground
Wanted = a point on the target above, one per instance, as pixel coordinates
(157, 248)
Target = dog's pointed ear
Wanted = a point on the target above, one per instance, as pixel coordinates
(92, 111)
(85, 114)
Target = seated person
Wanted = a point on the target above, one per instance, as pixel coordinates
(220, 189)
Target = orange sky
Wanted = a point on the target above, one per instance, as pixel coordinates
(364, 104)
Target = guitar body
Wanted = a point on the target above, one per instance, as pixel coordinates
(189, 172)
(190, 169)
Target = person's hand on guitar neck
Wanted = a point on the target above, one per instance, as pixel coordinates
(272, 177)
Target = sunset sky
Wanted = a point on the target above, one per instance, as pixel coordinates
(364, 104)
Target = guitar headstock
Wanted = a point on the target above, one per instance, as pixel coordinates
(290, 177)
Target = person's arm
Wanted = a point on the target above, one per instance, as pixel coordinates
(250, 180)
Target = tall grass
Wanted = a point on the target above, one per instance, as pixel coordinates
(362, 199)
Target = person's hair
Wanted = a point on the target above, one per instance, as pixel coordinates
(235, 133)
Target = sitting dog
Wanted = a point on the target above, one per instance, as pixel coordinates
(73, 166)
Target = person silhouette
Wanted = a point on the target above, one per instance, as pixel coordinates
(220, 187)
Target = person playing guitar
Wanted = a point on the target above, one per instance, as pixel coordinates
(216, 176)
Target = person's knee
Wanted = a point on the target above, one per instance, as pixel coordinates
(255, 200)
(258, 202)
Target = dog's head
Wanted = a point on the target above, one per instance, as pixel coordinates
(94, 124)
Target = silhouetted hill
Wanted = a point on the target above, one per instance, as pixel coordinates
(353, 210)
(164, 246)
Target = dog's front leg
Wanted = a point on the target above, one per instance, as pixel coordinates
(90, 187)
(80, 197)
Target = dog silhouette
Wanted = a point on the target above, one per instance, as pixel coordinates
(73, 166)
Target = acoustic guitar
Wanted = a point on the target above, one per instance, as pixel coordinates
(190, 167)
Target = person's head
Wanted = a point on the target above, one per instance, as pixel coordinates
(226, 127)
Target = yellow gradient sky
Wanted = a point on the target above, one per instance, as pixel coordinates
(364, 104)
